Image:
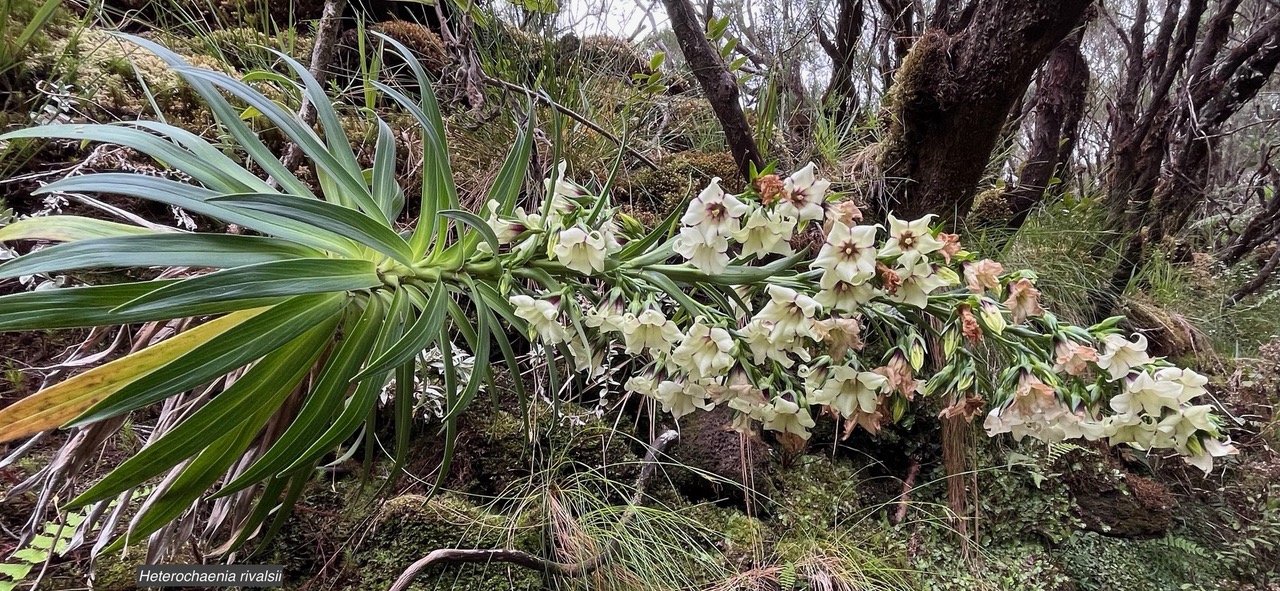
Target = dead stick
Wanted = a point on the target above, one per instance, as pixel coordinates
(904, 501)
(321, 55)
(529, 561)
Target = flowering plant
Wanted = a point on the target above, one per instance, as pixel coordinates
(878, 317)
(324, 307)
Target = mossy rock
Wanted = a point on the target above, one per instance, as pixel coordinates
(411, 526)
(601, 55)
(650, 195)
(815, 493)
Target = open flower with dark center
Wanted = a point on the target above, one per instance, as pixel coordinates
(714, 213)
(910, 241)
(803, 195)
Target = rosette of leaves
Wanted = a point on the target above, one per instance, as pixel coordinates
(325, 293)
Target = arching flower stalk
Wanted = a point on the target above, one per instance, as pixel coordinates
(331, 298)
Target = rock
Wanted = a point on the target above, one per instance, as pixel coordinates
(1130, 506)
(710, 446)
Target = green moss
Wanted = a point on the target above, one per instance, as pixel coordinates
(649, 195)
(815, 494)
(411, 526)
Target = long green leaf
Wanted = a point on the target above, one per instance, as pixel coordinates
(196, 200)
(386, 190)
(229, 117)
(477, 224)
(317, 410)
(335, 218)
(416, 339)
(217, 251)
(366, 394)
(265, 385)
(67, 228)
(276, 278)
(229, 350)
(86, 307)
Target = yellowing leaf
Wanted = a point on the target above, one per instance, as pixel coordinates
(66, 228)
(57, 404)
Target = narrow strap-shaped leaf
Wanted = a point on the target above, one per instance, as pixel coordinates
(326, 393)
(229, 117)
(666, 284)
(86, 307)
(217, 251)
(245, 181)
(365, 396)
(386, 190)
(194, 479)
(732, 275)
(451, 424)
(297, 485)
(404, 406)
(438, 190)
(480, 340)
(211, 171)
(416, 339)
(196, 200)
(265, 385)
(335, 218)
(267, 501)
(335, 137)
(67, 228)
(57, 404)
(659, 232)
(234, 348)
(477, 224)
(504, 344)
(349, 178)
(276, 278)
(506, 187)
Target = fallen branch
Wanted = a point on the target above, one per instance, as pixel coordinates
(529, 561)
(904, 500)
(321, 55)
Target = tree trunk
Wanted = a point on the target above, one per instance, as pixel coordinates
(717, 82)
(953, 94)
(1060, 97)
(840, 101)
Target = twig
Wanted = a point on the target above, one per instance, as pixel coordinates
(904, 500)
(529, 561)
(542, 98)
(321, 55)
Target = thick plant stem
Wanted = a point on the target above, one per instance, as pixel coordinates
(529, 561)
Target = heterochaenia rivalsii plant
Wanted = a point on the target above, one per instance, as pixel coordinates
(329, 296)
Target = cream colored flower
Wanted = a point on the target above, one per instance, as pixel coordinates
(580, 250)
(849, 391)
(846, 297)
(910, 241)
(1147, 394)
(1210, 448)
(789, 417)
(505, 230)
(650, 330)
(1192, 383)
(983, 275)
(609, 318)
(642, 384)
(705, 351)
(759, 337)
(682, 398)
(714, 213)
(543, 316)
(1121, 355)
(706, 254)
(803, 195)
(1024, 300)
(790, 312)
(849, 253)
(918, 281)
(766, 233)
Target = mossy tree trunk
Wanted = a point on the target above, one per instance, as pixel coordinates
(953, 94)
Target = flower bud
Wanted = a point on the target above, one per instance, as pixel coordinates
(992, 317)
